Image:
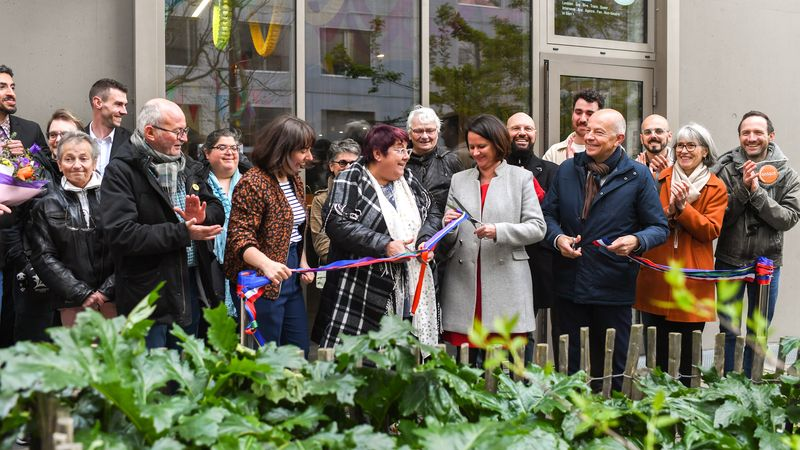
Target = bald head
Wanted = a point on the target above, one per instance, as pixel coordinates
(606, 133)
(655, 135)
(522, 130)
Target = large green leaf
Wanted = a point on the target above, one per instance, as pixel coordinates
(202, 428)
(221, 330)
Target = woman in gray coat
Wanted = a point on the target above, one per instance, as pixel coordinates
(488, 274)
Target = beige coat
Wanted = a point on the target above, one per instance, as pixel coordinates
(511, 205)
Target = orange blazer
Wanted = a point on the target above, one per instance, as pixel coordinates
(690, 241)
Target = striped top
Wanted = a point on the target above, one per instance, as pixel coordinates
(298, 211)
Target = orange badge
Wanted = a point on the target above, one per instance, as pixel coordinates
(768, 174)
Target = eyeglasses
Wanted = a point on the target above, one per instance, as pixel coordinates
(422, 131)
(688, 146)
(656, 131)
(226, 148)
(56, 134)
(342, 163)
(402, 151)
(178, 133)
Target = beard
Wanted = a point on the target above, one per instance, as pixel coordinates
(520, 155)
(7, 110)
(655, 147)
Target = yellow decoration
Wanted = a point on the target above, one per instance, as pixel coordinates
(221, 23)
(265, 47)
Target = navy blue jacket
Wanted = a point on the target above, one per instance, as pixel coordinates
(627, 203)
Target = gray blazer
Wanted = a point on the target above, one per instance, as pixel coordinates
(506, 288)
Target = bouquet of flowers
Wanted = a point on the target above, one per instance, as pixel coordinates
(19, 181)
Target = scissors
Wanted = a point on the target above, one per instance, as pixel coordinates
(473, 220)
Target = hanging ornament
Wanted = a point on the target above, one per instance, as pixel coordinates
(265, 47)
(221, 23)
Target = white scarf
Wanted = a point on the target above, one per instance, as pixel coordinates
(94, 183)
(404, 223)
(697, 180)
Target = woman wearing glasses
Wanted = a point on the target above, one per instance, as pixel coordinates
(694, 201)
(223, 167)
(68, 251)
(377, 208)
(266, 228)
(341, 155)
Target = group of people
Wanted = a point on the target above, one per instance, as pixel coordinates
(125, 211)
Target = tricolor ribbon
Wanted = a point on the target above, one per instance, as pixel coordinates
(250, 286)
(760, 271)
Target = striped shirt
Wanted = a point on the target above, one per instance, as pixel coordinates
(298, 211)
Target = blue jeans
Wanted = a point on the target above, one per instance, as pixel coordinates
(159, 335)
(752, 305)
(284, 319)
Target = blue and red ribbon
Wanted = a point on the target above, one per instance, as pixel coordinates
(250, 285)
(760, 271)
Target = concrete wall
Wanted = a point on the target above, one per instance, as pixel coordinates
(738, 55)
(57, 49)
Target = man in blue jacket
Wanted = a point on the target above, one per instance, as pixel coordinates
(600, 194)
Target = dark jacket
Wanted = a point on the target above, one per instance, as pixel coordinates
(211, 274)
(73, 263)
(627, 203)
(147, 240)
(541, 256)
(755, 221)
(11, 249)
(434, 170)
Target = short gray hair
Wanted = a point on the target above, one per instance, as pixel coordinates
(76, 137)
(696, 132)
(424, 115)
(149, 115)
(344, 146)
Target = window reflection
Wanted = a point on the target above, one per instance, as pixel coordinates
(242, 84)
(602, 19)
(480, 62)
(623, 95)
(362, 67)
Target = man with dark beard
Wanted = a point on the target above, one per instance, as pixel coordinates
(656, 153)
(540, 256)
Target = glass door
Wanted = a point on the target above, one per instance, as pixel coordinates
(629, 90)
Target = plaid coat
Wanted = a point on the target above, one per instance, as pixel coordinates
(355, 300)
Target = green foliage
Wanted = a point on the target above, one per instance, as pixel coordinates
(375, 395)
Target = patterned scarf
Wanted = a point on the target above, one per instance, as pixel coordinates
(595, 172)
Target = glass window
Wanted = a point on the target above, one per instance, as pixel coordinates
(623, 95)
(244, 80)
(362, 67)
(480, 61)
(614, 20)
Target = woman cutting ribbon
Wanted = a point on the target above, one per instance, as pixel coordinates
(488, 274)
(377, 208)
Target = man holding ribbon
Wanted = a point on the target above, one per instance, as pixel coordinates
(763, 203)
(600, 196)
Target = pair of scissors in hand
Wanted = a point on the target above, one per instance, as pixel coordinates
(471, 218)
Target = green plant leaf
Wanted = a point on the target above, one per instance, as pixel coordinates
(221, 330)
(202, 428)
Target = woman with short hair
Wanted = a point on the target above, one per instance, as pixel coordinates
(68, 250)
(694, 201)
(377, 208)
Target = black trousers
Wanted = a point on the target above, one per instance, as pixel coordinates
(664, 328)
(568, 318)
